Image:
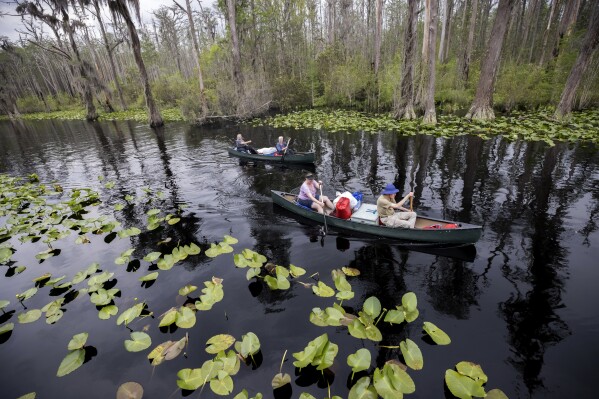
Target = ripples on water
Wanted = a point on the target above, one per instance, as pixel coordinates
(522, 303)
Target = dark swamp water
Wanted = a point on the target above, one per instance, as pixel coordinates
(522, 303)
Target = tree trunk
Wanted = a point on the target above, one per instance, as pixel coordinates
(237, 75)
(377, 36)
(448, 34)
(430, 115)
(110, 56)
(565, 27)
(92, 115)
(192, 32)
(446, 10)
(591, 40)
(550, 22)
(482, 106)
(465, 64)
(404, 108)
(331, 21)
(482, 37)
(420, 100)
(154, 113)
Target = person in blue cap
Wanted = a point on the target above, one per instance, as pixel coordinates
(386, 207)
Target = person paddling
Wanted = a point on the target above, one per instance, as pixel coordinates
(282, 147)
(242, 145)
(309, 198)
(386, 206)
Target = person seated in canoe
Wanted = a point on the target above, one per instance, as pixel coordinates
(309, 198)
(386, 206)
(242, 145)
(282, 147)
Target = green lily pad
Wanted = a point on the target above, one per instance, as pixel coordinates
(188, 289)
(437, 335)
(280, 380)
(296, 271)
(250, 344)
(149, 277)
(30, 316)
(190, 379)
(139, 341)
(350, 271)
(186, 318)
(360, 360)
(78, 341)
(152, 256)
(472, 370)
(412, 354)
(71, 362)
(230, 240)
(362, 390)
(107, 311)
(219, 343)
(372, 306)
(4, 303)
(6, 328)
(130, 314)
(222, 385)
(323, 290)
(30, 395)
(27, 294)
(462, 386)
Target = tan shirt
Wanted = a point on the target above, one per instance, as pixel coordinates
(384, 206)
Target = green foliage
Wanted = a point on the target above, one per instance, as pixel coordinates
(292, 92)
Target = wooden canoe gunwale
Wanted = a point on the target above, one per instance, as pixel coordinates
(465, 234)
(296, 158)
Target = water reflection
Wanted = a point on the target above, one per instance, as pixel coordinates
(538, 206)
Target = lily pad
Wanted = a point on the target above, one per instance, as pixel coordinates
(360, 360)
(6, 328)
(437, 335)
(219, 343)
(412, 354)
(130, 390)
(78, 341)
(139, 341)
(29, 316)
(462, 386)
(149, 277)
(323, 290)
(362, 390)
(350, 271)
(250, 344)
(280, 380)
(188, 289)
(186, 318)
(71, 362)
(472, 370)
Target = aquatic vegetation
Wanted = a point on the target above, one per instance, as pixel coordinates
(531, 126)
(138, 115)
(33, 211)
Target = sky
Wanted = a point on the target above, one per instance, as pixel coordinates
(8, 24)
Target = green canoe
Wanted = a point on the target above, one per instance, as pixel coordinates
(296, 158)
(464, 233)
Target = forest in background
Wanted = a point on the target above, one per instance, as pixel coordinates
(239, 58)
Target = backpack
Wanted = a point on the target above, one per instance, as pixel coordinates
(343, 209)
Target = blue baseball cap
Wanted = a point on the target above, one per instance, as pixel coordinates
(389, 189)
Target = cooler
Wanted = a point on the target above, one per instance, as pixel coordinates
(366, 214)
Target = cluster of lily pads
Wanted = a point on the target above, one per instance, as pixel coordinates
(532, 126)
(35, 212)
(138, 115)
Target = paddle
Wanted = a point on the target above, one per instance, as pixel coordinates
(324, 215)
(285, 152)
(411, 204)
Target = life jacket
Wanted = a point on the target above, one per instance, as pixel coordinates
(343, 209)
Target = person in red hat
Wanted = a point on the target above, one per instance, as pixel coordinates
(386, 207)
